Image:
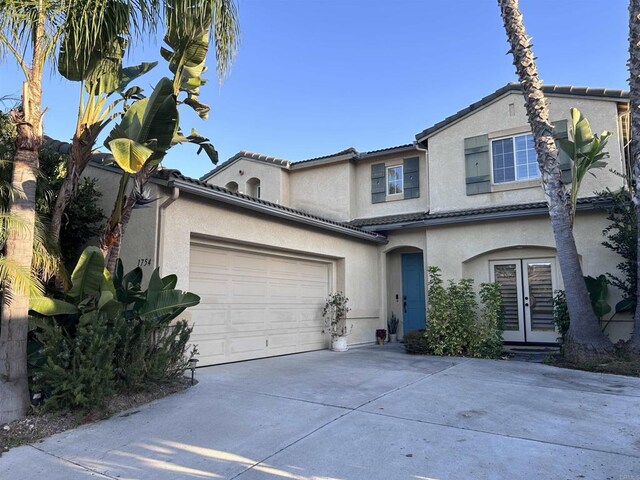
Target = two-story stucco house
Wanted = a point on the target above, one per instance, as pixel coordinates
(263, 240)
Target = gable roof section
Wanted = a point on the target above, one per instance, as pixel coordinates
(174, 178)
(552, 90)
(343, 155)
(278, 162)
(425, 219)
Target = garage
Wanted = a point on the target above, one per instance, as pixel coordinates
(255, 304)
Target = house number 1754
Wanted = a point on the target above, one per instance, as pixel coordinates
(144, 262)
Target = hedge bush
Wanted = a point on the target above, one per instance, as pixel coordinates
(454, 327)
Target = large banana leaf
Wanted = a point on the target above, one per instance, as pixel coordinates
(88, 276)
(167, 305)
(187, 52)
(129, 154)
(197, 139)
(51, 306)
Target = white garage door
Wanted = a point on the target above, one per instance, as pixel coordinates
(255, 305)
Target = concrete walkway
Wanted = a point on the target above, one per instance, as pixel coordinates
(370, 413)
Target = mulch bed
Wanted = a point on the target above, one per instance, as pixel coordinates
(38, 426)
(630, 368)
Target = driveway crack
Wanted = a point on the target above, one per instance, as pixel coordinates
(66, 460)
(348, 412)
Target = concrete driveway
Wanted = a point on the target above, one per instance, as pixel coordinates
(370, 413)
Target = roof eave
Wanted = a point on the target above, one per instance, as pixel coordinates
(266, 209)
(477, 217)
(618, 96)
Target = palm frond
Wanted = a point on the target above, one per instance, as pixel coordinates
(19, 279)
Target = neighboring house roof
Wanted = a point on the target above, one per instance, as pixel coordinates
(193, 186)
(346, 154)
(421, 219)
(64, 148)
(279, 162)
(601, 93)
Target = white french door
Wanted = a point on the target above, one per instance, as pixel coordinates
(527, 287)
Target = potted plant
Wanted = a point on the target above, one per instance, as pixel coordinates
(335, 320)
(392, 325)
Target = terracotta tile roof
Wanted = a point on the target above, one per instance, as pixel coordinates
(454, 216)
(516, 87)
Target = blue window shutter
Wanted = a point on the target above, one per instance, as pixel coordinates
(477, 164)
(561, 131)
(411, 177)
(378, 184)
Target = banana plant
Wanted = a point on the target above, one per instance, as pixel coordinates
(91, 295)
(95, 293)
(151, 126)
(103, 87)
(586, 151)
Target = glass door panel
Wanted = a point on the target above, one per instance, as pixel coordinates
(508, 276)
(539, 285)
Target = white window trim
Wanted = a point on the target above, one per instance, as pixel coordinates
(516, 181)
(401, 179)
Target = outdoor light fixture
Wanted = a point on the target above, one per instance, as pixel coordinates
(192, 366)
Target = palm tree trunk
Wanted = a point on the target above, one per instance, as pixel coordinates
(634, 100)
(585, 338)
(14, 387)
(79, 156)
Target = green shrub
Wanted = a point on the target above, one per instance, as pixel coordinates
(451, 313)
(487, 333)
(78, 373)
(453, 327)
(415, 342)
(109, 335)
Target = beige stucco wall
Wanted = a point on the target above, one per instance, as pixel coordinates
(447, 161)
(139, 243)
(366, 209)
(465, 250)
(355, 263)
(323, 190)
(273, 179)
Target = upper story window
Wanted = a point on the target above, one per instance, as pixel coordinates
(395, 177)
(253, 187)
(233, 186)
(514, 159)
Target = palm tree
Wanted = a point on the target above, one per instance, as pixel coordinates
(22, 24)
(584, 338)
(634, 100)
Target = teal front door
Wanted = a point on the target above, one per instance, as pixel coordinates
(414, 311)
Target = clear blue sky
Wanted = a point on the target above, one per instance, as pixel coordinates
(314, 77)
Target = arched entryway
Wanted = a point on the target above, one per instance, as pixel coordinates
(406, 296)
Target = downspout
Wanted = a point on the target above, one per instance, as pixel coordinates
(175, 193)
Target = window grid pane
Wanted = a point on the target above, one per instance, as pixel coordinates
(514, 158)
(394, 180)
